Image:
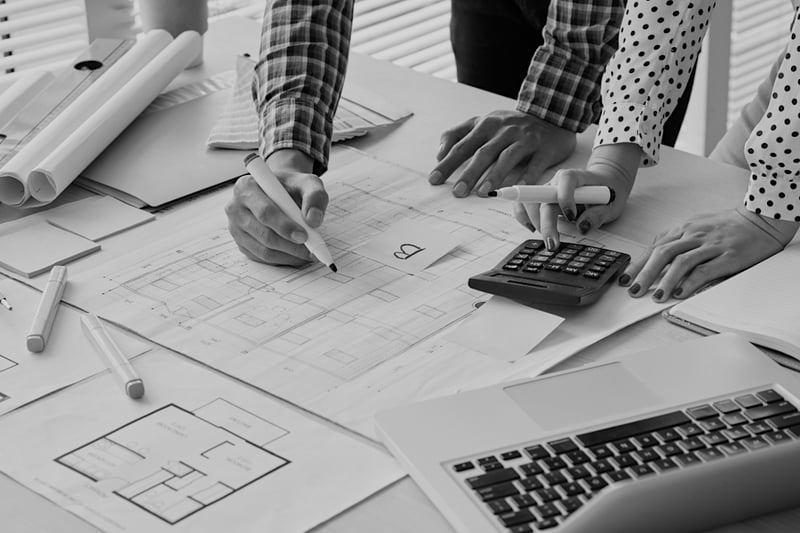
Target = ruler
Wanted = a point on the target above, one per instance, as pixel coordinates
(63, 90)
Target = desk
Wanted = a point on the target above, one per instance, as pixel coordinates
(437, 105)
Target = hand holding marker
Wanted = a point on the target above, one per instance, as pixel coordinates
(273, 188)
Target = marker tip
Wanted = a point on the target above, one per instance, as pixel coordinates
(333, 267)
(491, 194)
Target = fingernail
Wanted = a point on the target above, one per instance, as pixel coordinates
(435, 177)
(460, 189)
(570, 214)
(658, 294)
(485, 188)
(677, 292)
(624, 279)
(440, 152)
(634, 290)
(530, 227)
(550, 243)
(298, 236)
(314, 217)
(584, 226)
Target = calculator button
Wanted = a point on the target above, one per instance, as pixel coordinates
(572, 270)
(556, 261)
(604, 264)
(515, 262)
(593, 249)
(541, 258)
(565, 255)
(554, 268)
(510, 267)
(592, 275)
(606, 257)
(587, 254)
(531, 269)
(612, 253)
(598, 269)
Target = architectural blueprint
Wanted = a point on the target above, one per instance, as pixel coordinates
(340, 344)
(199, 453)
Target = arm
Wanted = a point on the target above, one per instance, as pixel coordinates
(557, 99)
(298, 82)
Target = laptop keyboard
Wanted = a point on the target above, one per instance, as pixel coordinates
(534, 487)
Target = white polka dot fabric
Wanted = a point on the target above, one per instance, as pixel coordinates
(658, 43)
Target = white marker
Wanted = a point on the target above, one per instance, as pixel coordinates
(46, 312)
(547, 194)
(112, 356)
(273, 188)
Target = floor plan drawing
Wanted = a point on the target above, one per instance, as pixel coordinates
(6, 363)
(173, 463)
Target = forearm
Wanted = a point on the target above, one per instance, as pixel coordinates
(622, 158)
(300, 74)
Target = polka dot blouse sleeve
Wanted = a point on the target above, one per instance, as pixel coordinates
(658, 43)
(773, 149)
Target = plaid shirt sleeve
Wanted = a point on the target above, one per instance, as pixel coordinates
(563, 81)
(300, 73)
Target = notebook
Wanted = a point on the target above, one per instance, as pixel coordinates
(684, 437)
(762, 304)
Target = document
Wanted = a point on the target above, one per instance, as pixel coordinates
(199, 453)
(30, 247)
(343, 345)
(67, 358)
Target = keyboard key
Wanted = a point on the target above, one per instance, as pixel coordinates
(732, 448)
(549, 523)
(531, 469)
(692, 444)
(602, 466)
(727, 406)
(785, 421)
(618, 475)
(522, 528)
(734, 419)
(624, 446)
(487, 459)
(488, 467)
(645, 441)
(712, 424)
(709, 454)
(755, 443)
(757, 428)
(642, 470)
(553, 463)
(769, 410)
(748, 401)
(562, 445)
(665, 464)
(572, 488)
(548, 510)
(736, 433)
(571, 505)
(631, 429)
(500, 506)
(701, 412)
(523, 516)
(668, 450)
(554, 478)
(690, 430)
(714, 439)
(494, 492)
(647, 455)
(687, 459)
(577, 457)
(601, 452)
(537, 452)
(624, 461)
(777, 437)
(578, 472)
(794, 430)
(668, 435)
(595, 483)
(531, 483)
(548, 495)
(461, 467)
(492, 478)
(509, 456)
(523, 500)
(769, 396)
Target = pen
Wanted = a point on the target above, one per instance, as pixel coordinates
(274, 189)
(4, 302)
(547, 194)
(48, 306)
(112, 356)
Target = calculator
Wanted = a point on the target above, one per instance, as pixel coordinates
(574, 274)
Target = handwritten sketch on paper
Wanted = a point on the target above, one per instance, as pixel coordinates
(341, 344)
(199, 453)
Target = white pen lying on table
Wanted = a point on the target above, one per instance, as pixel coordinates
(110, 353)
(46, 312)
(547, 194)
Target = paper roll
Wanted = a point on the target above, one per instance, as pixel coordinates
(15, 174)
(22, 91)
(53, 174)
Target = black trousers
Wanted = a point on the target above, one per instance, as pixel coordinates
(493, 43)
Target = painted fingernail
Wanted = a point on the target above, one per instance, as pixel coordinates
(658, 294)
(550, 243)
(460, 189)
(624, 279)
(485, 188)
(584, 226)
(634, 290)
(570, 214)
(298, 236)
(677, 292)
(435, 177)
(530, 227)
(314, 217)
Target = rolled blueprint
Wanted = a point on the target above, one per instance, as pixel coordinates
(15, 174)
(21, 92)
(53, 174)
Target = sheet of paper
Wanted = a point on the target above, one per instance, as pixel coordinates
(347, 344)
(409, 246)
(28, 249)
(68, 356)
(199, 453)
(504, 329)
(97, 217)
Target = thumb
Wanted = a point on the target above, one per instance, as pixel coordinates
(313, 199)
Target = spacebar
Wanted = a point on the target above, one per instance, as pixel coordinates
(623, 431)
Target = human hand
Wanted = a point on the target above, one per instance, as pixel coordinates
(708, 247)
(613, 166)
(495, 144)
(260, 228)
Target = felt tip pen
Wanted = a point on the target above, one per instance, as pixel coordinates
(273, 188)
(547, 194)
(112, 356)
(46, 312)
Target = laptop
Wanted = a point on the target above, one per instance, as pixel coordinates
(684, 437)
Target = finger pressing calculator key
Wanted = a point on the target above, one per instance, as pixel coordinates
(574, 274)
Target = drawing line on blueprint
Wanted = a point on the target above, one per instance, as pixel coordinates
(173, 463)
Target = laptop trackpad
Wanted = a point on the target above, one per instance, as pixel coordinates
(582, 396)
